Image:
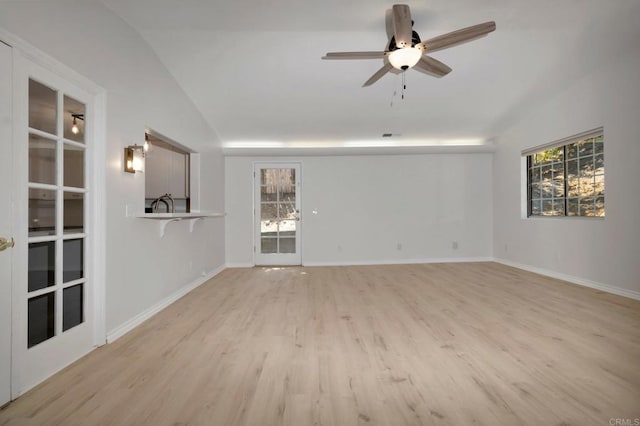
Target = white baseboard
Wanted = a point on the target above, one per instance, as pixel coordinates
(574, 280)
(401, 261)
(240, 265)
(129, 325)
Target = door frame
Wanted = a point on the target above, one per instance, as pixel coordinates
(6, 223)
(95, 173)
(257, 165)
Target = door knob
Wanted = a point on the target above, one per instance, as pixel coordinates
(5, 244)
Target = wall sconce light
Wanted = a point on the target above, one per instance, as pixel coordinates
(134, 159)
(75, 129)
(147, 144)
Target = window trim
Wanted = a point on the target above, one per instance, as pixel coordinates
(564, 141)
(526, 165)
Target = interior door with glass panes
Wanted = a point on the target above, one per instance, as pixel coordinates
(52, 290)
(277, 214)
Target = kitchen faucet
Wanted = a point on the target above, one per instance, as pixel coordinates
(163, 199)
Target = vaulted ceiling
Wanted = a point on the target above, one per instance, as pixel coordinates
(254, 69)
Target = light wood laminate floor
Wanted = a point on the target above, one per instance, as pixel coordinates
(455, 344)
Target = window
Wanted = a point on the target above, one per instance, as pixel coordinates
(566, 178)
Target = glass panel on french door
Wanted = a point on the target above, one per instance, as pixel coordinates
(269, 211)
(73, 119)
(42, 160)
(73, 166)
(57, 195)
(287, 229)
(42, 265)
(72, 260)
(269, 245)
(41, 314)
(287, 245)
(42, 212)
(286, 211)
(268, 185)
(73, 217)
(72, 306)
(43, 107)
(278, 212)
(287, 185)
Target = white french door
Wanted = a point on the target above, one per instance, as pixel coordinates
(52, 288)
(6, 228)
(277, 213)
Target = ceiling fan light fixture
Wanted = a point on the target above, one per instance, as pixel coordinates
(405, 58)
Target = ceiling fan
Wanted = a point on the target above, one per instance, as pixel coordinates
(406, 50)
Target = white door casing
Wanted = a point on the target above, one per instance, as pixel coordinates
(6, 228)
(277, 220)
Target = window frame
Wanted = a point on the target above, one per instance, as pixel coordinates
(571, 204)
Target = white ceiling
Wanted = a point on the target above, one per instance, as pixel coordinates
(253, 67)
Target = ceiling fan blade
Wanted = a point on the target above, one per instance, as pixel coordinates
(402, 26)
(375, 77)
(432, 66)
(457, 37)
(354, 55)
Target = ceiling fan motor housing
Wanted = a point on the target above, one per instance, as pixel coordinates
(415, 39)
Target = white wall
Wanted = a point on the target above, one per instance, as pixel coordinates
(142, 268)
(597, 251)
(369, 204)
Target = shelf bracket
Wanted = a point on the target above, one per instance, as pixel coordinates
(192, 223)
(163, 224)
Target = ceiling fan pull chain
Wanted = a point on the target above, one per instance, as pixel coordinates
(404, 86)
(395, 93)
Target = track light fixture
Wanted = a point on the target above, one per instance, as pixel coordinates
(75, 129)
